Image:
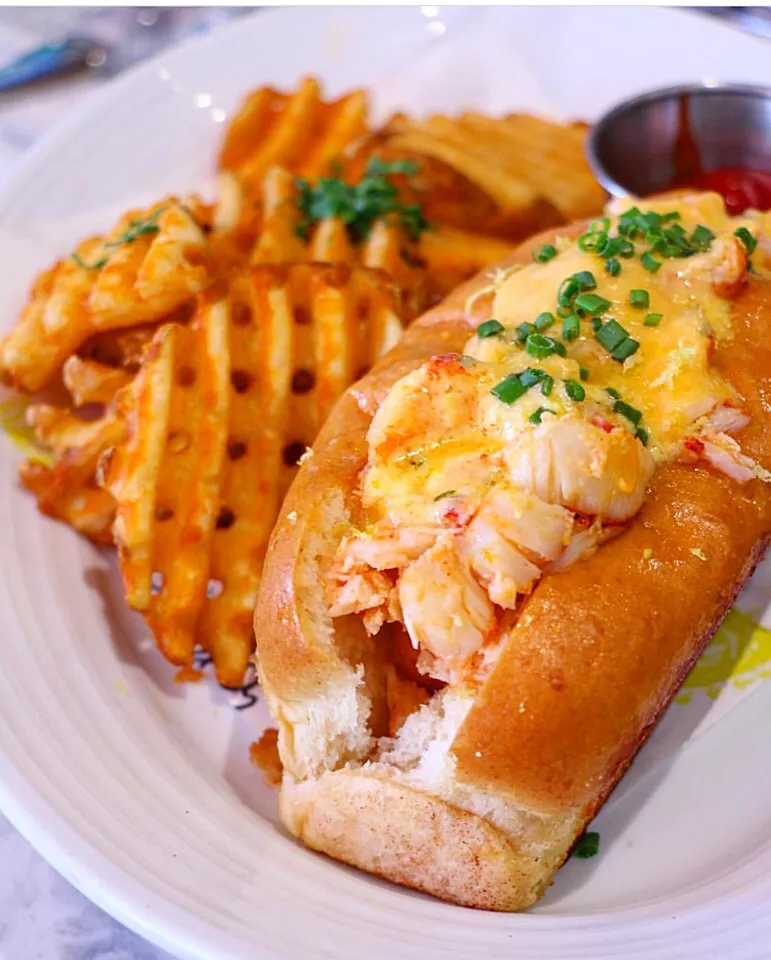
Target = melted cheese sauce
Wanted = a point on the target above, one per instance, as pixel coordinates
(442, 433)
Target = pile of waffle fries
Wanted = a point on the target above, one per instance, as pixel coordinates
(179, 366)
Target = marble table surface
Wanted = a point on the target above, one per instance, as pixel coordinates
(42, 917)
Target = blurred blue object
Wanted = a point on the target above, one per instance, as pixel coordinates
(140, 33)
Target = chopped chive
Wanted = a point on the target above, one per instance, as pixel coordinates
(600, 225)
(639, 298)
(625, 350)
(670, 249)
(531, 376)
(642, 435)
(586, 279)
(702, 237)
(547, 385)
(571, 327)
(565, 311)
(668, 217)
(545, 253)
(588, 845)
(650, 263)
(653, 319)
(592, 303)
(583, 373)
(590, 240)
(543, 321)
(567, 292)
(625, 249)
(612, 392)
(612, 266)
(627, 410)
(523, 331)
(574, 390)
(536, 415)
(596, 324)
(509, 389)
(539, 346)
(490, 328)
(748, 241)
(611, 334)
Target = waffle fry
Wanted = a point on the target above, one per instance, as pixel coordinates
(216, 420)
(151, 263)
(423, 270)
(515, 159)
(66, 489)
(299, 131)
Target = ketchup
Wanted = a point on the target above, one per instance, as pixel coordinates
(740, 187)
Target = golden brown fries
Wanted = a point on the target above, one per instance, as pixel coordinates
(216, 420)
(202, 344)
(298, 131)
(424, 270)
(67, 489)
(515, 160)
(150, 263)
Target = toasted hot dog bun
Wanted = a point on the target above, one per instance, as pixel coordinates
(480, 797)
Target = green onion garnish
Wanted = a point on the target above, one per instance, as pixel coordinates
(639, 298)
(702, 237)
(543, 321)
(571, 327)
(536, 415)
(523, 331)
(612, 392)
(625, 249)
(611, 334)
(509, 389)
(586, 279)
(748, 241)
(650, 263)
(583, 373)
(613, 266)
(642, 435)
(591, 303)
(601, 225)
(568, 290)
(591, 240)
(545, 253)
(625, 350)
(596, 324)
(653, 319)
(668, 217)
(490, 328)
(627, 410)
(588, 845)
(531, 376)
(547, 385)
(539, 346)
(574, 390)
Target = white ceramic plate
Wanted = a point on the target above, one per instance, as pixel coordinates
(140, 791)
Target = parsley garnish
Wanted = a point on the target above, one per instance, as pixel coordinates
(96, 265)
(136, 228)
(360, 205)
